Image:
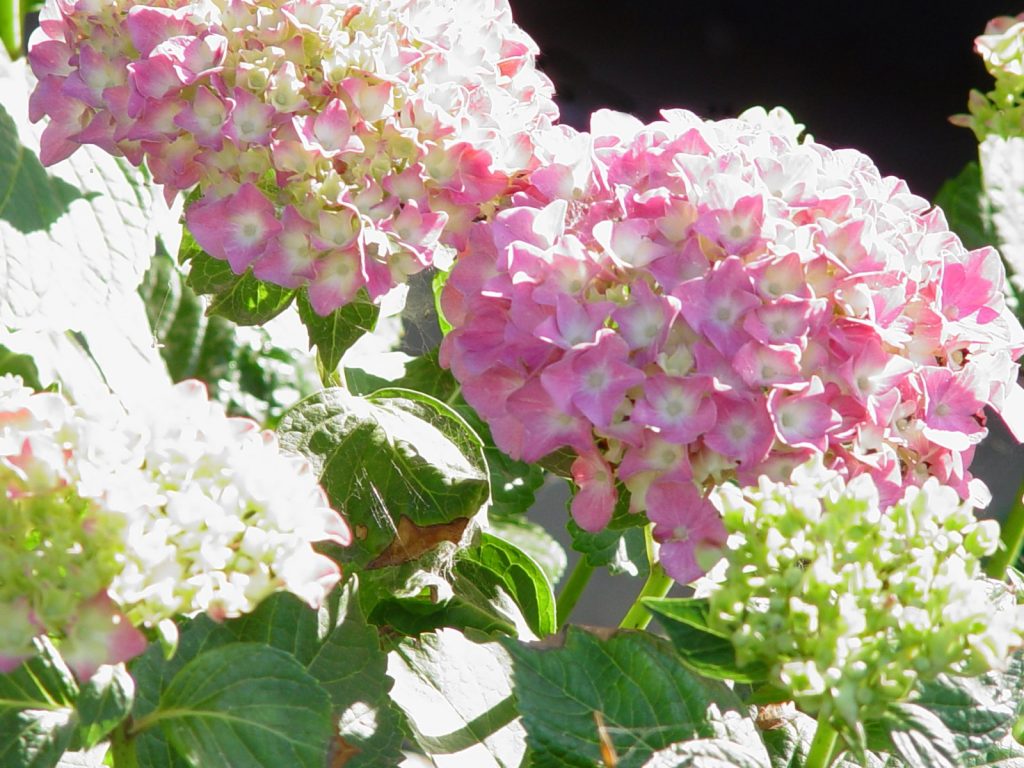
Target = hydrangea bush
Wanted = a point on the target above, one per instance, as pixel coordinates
(762, 366)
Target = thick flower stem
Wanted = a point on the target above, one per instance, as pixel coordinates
(657, 585)
(823, 747)
(1012, 540)
(122, 751)
(572, 590)
(10, 26)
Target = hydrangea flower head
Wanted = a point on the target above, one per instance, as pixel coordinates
(850, 604)
(337, 144)
(115, 521)
(230, 519)
(696, 302)
(62, 543)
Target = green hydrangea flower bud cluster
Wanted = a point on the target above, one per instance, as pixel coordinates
(59, 550)
(850, 605)
(999, 112)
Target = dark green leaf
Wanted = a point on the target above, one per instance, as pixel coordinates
(967, 209)
(704, 650)
(20, 365)
(342, 652)
(103, 703)
(788, 740)
(37, 718)
(152, 673)
(334, 334)
(405, 469)
(242, 299)
(30, 199)
(620, 547)
(534, 540)
(631, 685)
(518, 574)
(246, 704)
(457, 696)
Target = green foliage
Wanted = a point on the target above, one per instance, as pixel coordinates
(456, 692)
(30, 199)
(967, 208)
(250, 377)
(20, 365)
(104, 702)
(37, 717)
(630, 688)
(403, 467)
(517, 573)
(703, 649)
(334, 334)
(620, 547)
(242, 299)
(342, 652)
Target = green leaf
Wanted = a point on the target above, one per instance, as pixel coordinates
(37, 718)
(242, 299)
(153, 672)
(788, 740)
(620, 547)
(20, 365)
(920, 738)
(342, 652)
(518, 574)
(980, 711)
(245, 704)
(532, 539)
(104, 702)
(457, 696)
(708, 753)
(631, 685)
(30, 199)
(334, 334)
(85, 263)
(406, 470)
(702, 649)
(250, 377)
(967, 208)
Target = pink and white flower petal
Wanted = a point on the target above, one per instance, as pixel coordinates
(688, 527)
(594, 501)
(681, 409)
(743, 431)
(237, 228)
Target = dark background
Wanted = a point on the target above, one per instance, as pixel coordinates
(881, 78)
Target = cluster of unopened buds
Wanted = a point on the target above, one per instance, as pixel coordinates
(849, 603)
(999, 112)
(335, 144)
(688, 303)
(114, 522)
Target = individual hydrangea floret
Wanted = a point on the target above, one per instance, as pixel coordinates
(112, 522)
(336, 144)
(848, 603)
(690, 302)
(1000, 112)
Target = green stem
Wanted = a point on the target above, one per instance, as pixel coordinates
(572, 590)
(823, 747)
(11, 19)
(122, 749)
(657, 585)
(1012, 540)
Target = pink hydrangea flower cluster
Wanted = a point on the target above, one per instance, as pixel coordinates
(687, 303)
(114, 521)
(337, 144)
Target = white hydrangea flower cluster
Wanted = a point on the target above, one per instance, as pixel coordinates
(230, 521)
(848, 604)
(110, 521)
